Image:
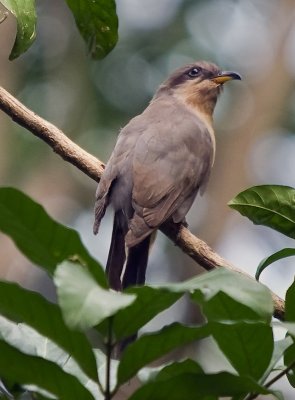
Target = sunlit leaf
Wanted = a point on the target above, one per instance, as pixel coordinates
(27, 369)
(41, 239)
(83, 302)
(97, 22)
(19, 304)
(25, 14)
(269, 205)
(288, 252)
(29, 341)
(236, 286)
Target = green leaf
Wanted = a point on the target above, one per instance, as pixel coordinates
(97, 22)
(269, 205)
(197, 386)
(44, 241)
(25, 14)
(29, 341)
(17, 304)
(248, 346)
(290, 303)
(149, 302)
(288, 252)
(177, 368)
(27, 369)
(236, 286)
(222, 308)
(150, 347)
(167, 371)
(83, 302)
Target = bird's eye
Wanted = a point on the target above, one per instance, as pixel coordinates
(194, 72)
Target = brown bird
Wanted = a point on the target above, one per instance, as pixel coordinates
(162, 158)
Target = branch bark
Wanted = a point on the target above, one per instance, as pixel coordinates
(197, 249)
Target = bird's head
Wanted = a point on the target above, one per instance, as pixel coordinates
(197, 85)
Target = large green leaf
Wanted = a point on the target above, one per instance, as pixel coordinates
(30, 342)
(248, 346)
(288, 252)
(17, 304)
(197, 386)
(83, 302)
(269, 205)
(149, 302)
(25, 14)
(44, 241)
(150, 347)
(97, 22)
(252, 295)
(27, 369)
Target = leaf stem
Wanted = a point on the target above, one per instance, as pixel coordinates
(109, 349)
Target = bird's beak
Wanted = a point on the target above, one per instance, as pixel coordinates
(225, 76)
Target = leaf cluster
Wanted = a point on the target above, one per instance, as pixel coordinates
(45, 348)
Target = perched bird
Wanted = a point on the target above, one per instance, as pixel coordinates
(162, 158)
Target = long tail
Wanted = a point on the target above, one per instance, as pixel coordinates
(135, 269)
(117, 255)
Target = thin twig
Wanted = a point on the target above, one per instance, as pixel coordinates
(253, 396)
(280, 375)
(91, 166)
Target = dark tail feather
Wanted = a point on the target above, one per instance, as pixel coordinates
(117, 255)
(135, 275)
(136, 264)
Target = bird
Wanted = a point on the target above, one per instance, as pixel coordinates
(161, 160)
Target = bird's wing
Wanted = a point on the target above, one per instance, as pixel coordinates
(172, 160)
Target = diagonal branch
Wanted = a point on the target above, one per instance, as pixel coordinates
(91, 166)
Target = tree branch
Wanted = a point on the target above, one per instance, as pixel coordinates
(91, 166)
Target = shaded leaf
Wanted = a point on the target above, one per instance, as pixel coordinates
(288, 252)
(290, 303)
(83, 302)
(169, 370)
(150, 347)
(27, 369)
(97, 22)
(25, 14)
(17, 304)
(177, 368)
(269, 205)
(248, 346)
(197, 386)
(41, 239)
(149, 302)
